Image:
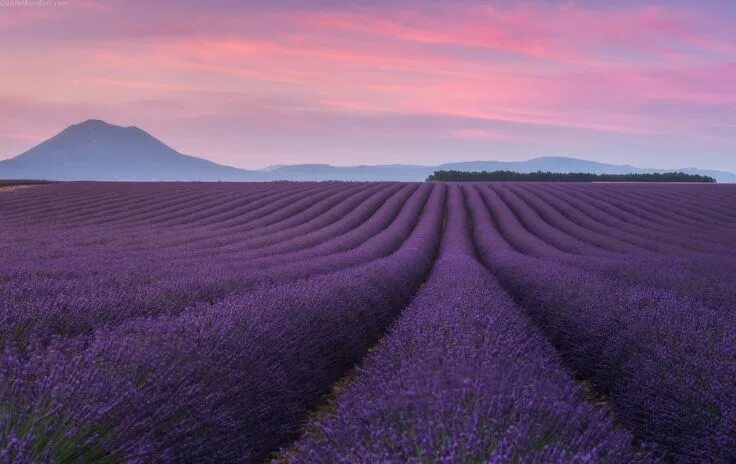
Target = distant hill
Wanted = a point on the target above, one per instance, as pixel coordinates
(416, 173)
(96, 150)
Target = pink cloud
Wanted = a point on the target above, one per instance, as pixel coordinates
(478, 133)
(536, 63)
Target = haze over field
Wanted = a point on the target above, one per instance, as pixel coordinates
(96, 150)
(258, 83)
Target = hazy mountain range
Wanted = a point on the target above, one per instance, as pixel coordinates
(96, 150)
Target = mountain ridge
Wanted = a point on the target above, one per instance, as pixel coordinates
(97, 150)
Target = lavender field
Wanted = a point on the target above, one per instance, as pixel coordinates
(368, 323)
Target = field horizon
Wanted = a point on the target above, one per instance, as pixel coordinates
(359, 322)
(95, 150)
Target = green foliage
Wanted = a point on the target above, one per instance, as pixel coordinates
(47, 435)
(17, 182)
(539, 176)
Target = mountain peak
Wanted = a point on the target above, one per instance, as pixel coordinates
(97, 150)
(94, 125)
(95, 122)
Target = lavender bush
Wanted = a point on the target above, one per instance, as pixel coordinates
(462, 377)
(221, 322)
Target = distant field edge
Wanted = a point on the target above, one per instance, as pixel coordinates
(20, 182)
(541, 176)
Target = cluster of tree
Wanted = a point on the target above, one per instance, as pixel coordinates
(14, 182)
(539, 176)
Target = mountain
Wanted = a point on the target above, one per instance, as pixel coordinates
(96, 150)
(415, 173)
(547, 163)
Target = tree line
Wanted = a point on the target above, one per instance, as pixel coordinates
(16, 182)
(541, 176)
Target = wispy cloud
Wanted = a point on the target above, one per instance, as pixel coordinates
(663, 71)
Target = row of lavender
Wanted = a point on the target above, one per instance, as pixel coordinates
(74, 278)
(661, 357)
(463, 376)
(219, 315)
(227, 377)
(664, 360)
(693, 240)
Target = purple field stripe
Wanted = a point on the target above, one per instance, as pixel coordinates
(242, 200)
(673, 209)
(111, 194)
(124, 298)
(602, 221)
(461, 377)
(709, 280)
(649, 226)
(55, 204)
(708, 283)
(293, 216)
(227, 243)
(539, 226)
(513, 231)
(36, 199)
(664, 363)
(682, 198)
(270, 354)
(152, 216)
(348, 216)
(258, 203)
(660, 214)
(571, 221)
(158, 214)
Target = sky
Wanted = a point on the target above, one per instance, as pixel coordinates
(257, 83)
